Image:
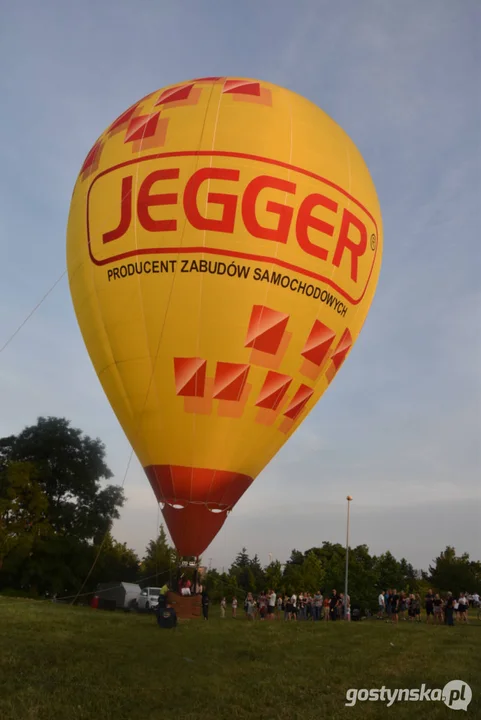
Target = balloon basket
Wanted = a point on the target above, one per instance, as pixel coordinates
(187, 607)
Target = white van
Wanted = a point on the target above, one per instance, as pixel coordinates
(148, 598)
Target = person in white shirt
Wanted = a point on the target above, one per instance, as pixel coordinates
(294, 607)
(271, 608)
(463, 608)
(381, 605)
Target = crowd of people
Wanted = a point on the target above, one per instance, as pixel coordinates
(268, 605)
(394, 606)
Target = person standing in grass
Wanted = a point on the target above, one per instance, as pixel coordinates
(308, 605)
(280, 606)
(294, 607)
(263, 605)
(417, 607)
(438, 610)
(250, 607)
(340, 606)
(327, 608)
(388, 605)
(301, 606)
(294, 604)
(463, 608)
(288, 607)
(456, 608)
(333, 605)
(317, 606)
(449, 610)
(271, 607)
(410, 606)
(402, 605)
(234, 607)
(380, 605)
(429, 604)
(205, 604)
(394, 606)
(222, 607)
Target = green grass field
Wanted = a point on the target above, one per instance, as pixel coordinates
(72, 663)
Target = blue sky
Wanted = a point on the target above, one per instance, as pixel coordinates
(400, 427)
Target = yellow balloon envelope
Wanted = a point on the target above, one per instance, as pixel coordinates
(224, 245)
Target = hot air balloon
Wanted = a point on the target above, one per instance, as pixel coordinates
(224, 244)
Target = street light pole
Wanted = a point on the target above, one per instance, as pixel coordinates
(348, 498)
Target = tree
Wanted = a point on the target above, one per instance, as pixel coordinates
(362, 586)
(258, 576)
(293, 579)
(116, 562)
(454, 573)
(56, 564)
(333, 560)
(70, 468)
(273, 576)
(389, 572)
(241, 571)
(312, 573)
(242, 560)
(23, 509)
(297, 558)
(159, 561)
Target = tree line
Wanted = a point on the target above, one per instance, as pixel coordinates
(56, 514)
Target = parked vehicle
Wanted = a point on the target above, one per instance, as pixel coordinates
(148, 598)
(117, 595)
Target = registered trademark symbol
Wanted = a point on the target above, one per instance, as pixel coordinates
(373, 242)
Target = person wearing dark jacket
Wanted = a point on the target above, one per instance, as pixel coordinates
(205, 605)
(449, 610)
(166, 617)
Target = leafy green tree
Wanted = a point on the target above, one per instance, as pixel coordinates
(116, 562)
(273, 576)
(362, 587)
(241, 571)
(292, 579)
(242, 559)
(71, 467)
(333, 560)
(475, 566)
(409, 574)
(454, 573)
(160, 561)
(23, 509)
(389, 573)
(258, 576)
(57, 565)
(312, 573)
(297, 558)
